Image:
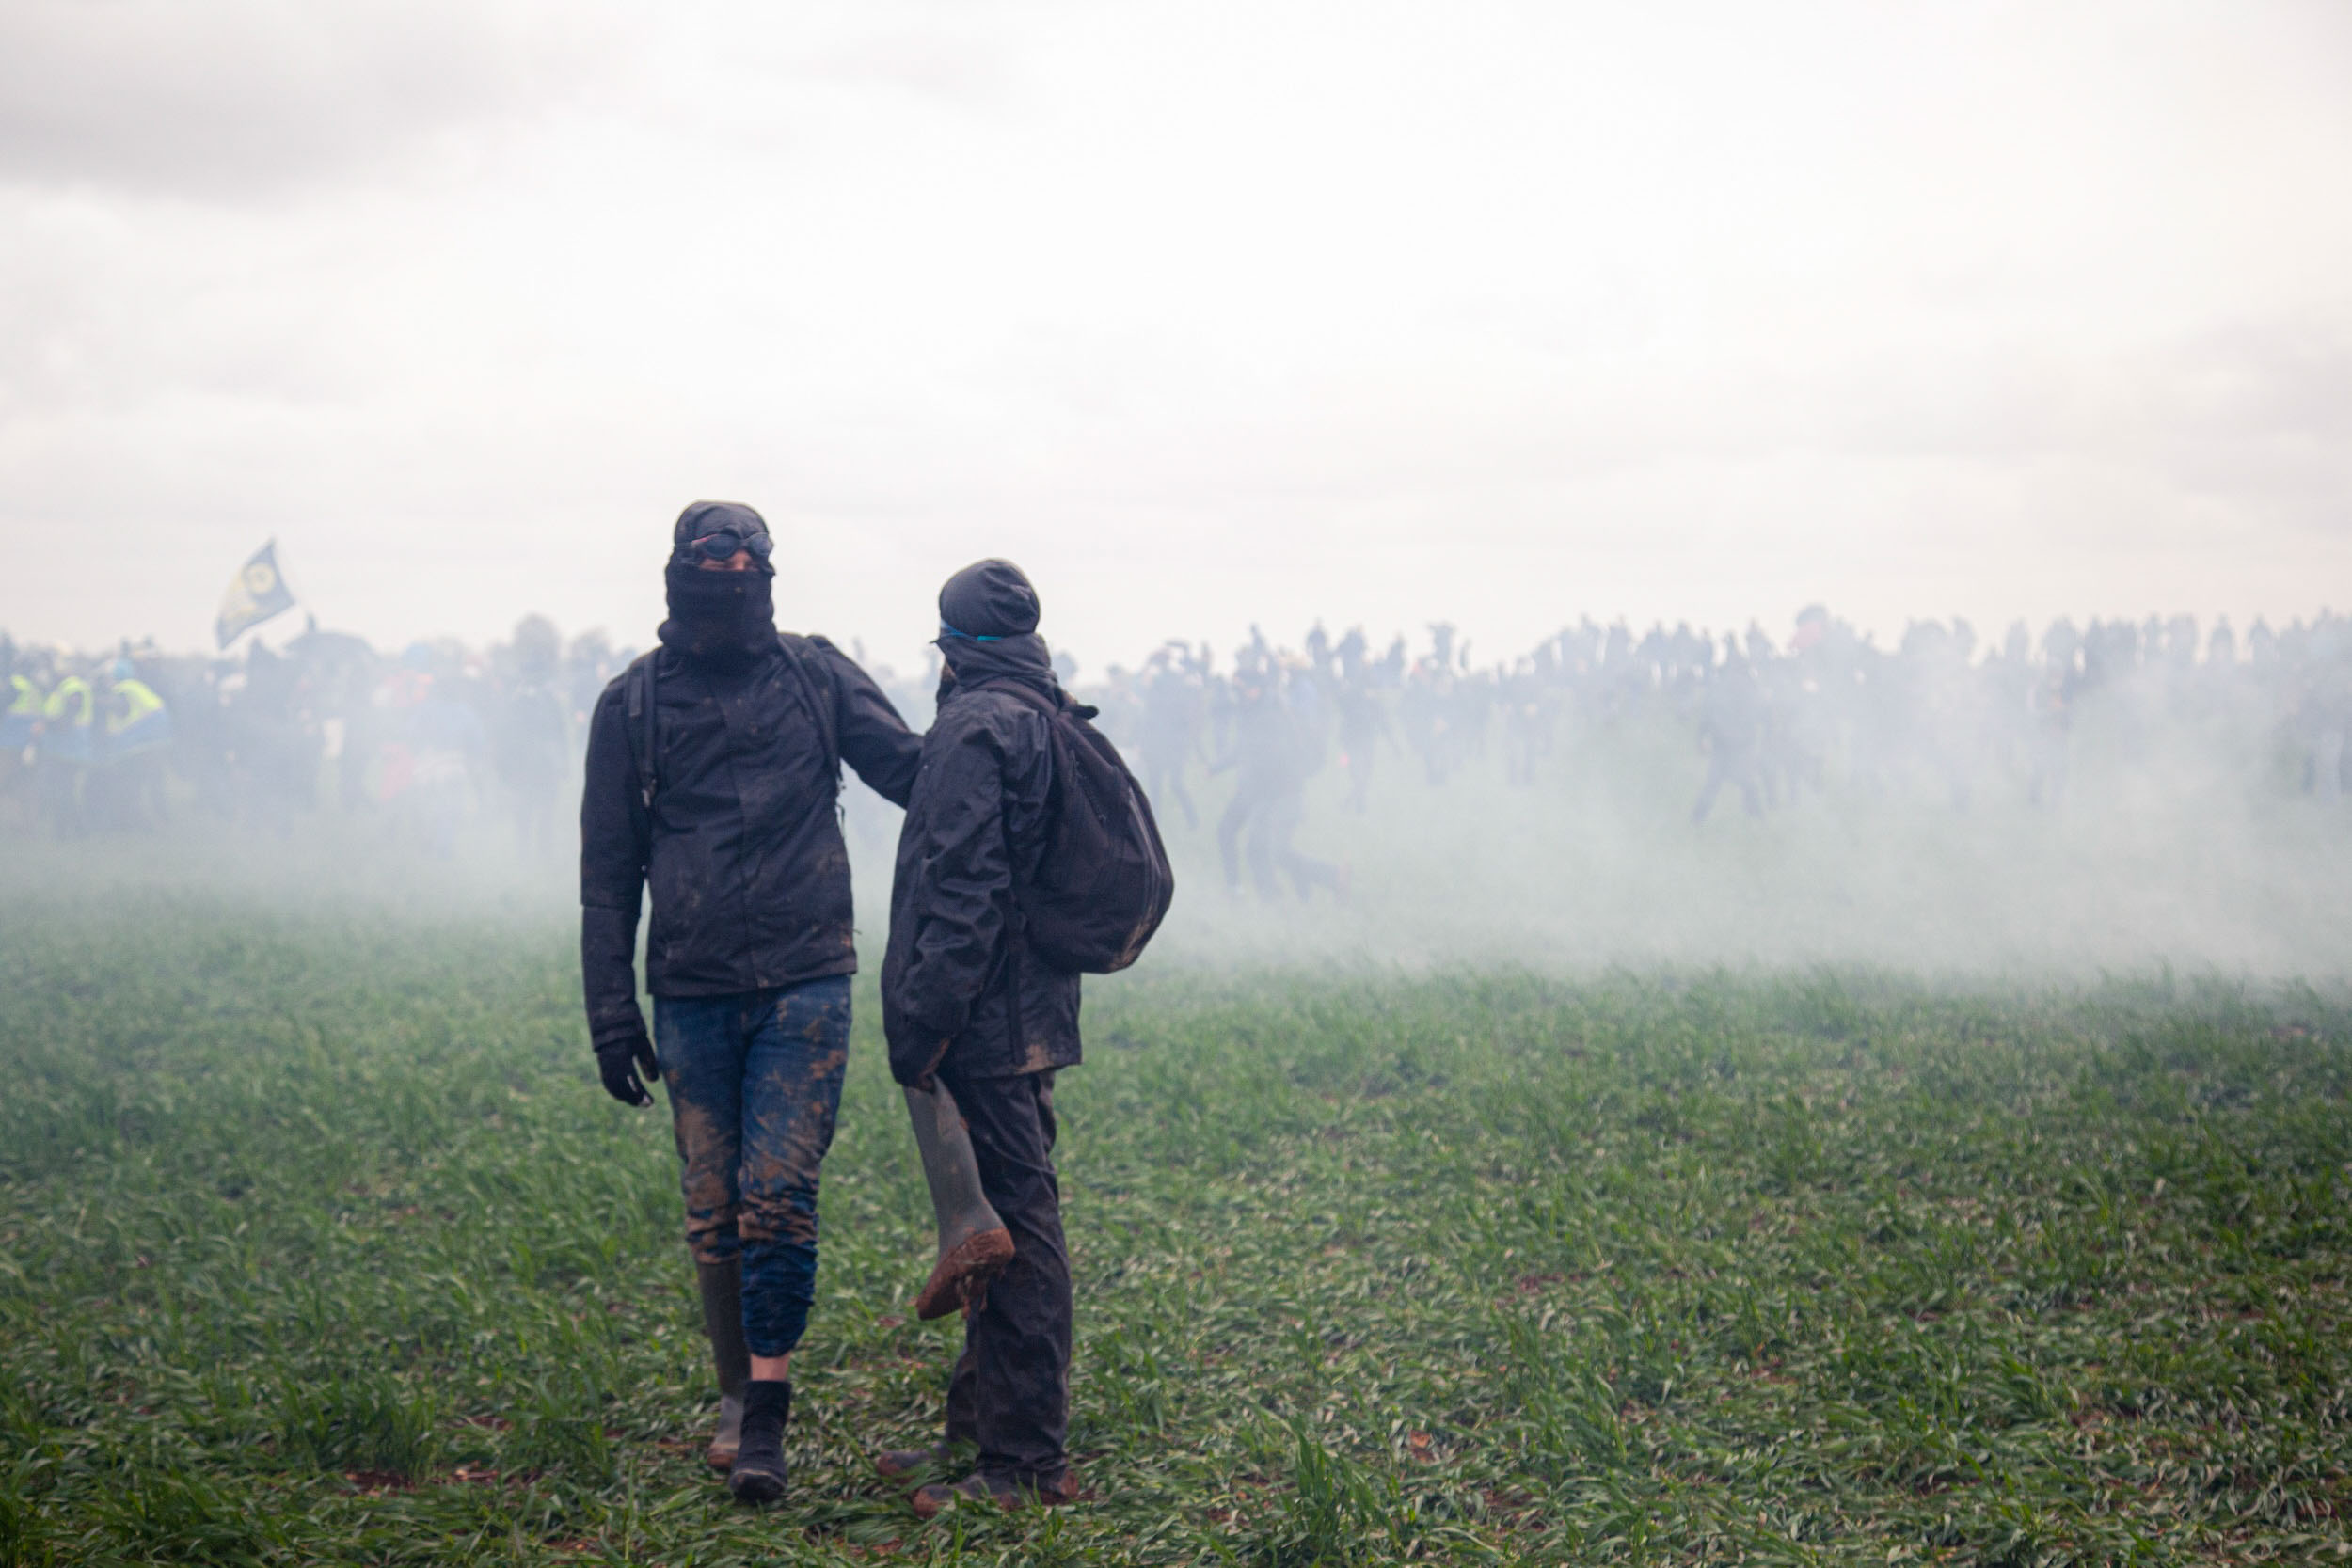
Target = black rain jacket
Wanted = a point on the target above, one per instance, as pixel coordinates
(957, 970)
(742, 846)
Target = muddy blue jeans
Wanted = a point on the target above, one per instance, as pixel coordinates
(754, 1083)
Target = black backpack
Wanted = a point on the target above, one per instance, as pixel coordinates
(1103, 883)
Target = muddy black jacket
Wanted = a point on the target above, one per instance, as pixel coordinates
(742, 846)
(955, 968)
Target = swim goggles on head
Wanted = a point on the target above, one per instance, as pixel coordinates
(724, 543)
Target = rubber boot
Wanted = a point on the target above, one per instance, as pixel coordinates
(911, 1468)
(722, 1286)
(931, 1501)
(758, 1476)
(974, 1245)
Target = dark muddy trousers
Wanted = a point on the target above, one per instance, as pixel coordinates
(1732, 767)
(1010, 1391)
(1163, 781)
(1270, 818)
(754, 1083)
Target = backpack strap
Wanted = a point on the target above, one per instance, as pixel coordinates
(821, 709)
(637, 689)
(637, 686)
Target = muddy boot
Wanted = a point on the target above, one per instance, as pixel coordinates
(722, 1286)
(913, 1466)
(758, 1474)
(931, 1501)
(974, 1245)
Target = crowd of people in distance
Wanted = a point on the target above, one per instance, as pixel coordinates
(1937, 718)
(430, 737)
(438, 734)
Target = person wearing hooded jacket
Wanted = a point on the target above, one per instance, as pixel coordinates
(967, 1004)
(718, 792)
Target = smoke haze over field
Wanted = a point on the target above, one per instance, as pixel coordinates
(2187, 815)
(1208, 314)
(1568, 882)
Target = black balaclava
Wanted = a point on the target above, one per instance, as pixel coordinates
(723, 620)
(988, 615)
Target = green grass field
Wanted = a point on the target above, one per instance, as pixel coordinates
(318, 1243)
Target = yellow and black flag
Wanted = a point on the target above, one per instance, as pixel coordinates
(256, 594)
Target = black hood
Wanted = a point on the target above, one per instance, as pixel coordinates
(989, 598)
(988, 615)
(708, 518)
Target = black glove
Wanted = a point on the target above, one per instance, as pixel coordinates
(621, 1056)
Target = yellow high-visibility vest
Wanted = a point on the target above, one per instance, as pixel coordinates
(139, 700)
(70, 702)
(65, 724)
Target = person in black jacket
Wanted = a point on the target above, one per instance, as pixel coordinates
(966, 1004)
(713, 766)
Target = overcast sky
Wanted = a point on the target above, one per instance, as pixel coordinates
(1205, 313)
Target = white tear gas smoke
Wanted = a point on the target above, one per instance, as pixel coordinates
(2118, 800)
